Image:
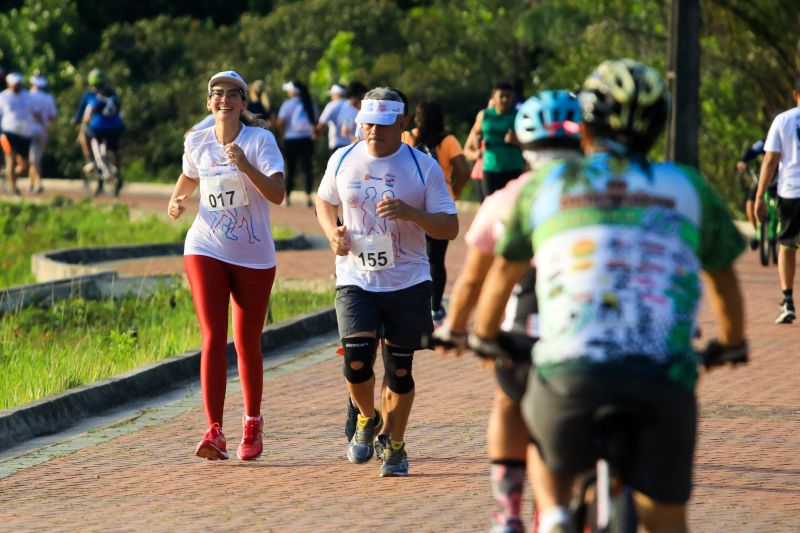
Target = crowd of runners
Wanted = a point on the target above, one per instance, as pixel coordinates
(580, 286)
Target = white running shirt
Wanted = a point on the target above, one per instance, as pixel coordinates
(16, 112)
(332, 117)
(361, 182)
(784, 137)
(239, 235)
(298, 125)
(45, 105)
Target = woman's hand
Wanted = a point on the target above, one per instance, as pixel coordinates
(176, 208)
(236, 156)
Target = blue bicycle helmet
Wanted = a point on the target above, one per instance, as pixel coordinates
(548, 115)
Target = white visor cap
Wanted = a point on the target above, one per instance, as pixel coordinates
(337, 90)
(15, 78)
(383, 112)
(40, 82)
(228, 76)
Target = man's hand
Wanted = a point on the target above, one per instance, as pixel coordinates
(760, 209)
(741, 166)
(339, 242)
(176, 208)
(392, 209)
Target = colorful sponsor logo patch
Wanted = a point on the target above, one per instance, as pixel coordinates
(584, 248)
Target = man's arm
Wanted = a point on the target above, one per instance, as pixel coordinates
(500, 281)
(726, 304)
(327, 218)
(437, 225)
(768, 168)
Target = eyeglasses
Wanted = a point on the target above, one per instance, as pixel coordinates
(229, 94)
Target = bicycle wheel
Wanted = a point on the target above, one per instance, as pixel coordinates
(763, 245)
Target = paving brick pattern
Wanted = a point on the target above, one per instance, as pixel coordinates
(747, 475)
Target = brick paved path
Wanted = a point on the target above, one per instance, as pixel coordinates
(146, 478)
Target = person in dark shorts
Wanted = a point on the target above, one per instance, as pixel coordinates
(17, 114)
(619, 243)
(782, 148)
(391, 195)
(547, 128)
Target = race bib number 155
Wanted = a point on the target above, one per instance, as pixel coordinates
(372, 252)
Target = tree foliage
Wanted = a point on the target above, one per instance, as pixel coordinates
(160, 54)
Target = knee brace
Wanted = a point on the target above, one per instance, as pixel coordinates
(398, 359)
(358, 349)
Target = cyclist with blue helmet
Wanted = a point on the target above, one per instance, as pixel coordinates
(619, 243)
(102, 123)
(546, 126)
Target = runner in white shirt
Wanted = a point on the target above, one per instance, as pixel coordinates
(349, 112)
(16, 116)
(45, 105)
(391, 196)
(331, 118)
(229, 253)
(782, 150)
(296, 119)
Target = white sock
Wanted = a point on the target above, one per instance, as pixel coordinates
(551, 518)
(252, 417)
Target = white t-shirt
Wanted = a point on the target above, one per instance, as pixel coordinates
(360, 183)
(298, 125)
(44, 104)
(784, 137)
(239, 234)
(16, 112)
(332, 117)
(349, 127)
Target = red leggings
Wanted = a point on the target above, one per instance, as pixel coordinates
(214, 283)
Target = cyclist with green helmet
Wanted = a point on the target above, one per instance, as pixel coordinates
(619, 244)
(546, 126)
(96, 79)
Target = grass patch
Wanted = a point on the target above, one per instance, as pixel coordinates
(45, 351)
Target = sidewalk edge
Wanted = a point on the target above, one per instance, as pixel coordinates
(59, 411)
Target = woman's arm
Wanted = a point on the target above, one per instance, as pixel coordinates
(460, 174)
(183, 189)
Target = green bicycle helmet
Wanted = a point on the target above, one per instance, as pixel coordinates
(96, 77)
(625, 102)
(549, 116)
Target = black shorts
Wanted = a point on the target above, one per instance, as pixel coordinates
(111, 137)
(16, 143)
(559, 413)
(790, 222)
(401, 317)
(513, 378)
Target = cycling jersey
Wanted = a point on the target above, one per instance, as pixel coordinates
(104, 112)
(618, 247)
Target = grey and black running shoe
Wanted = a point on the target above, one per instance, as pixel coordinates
(360, 448)
(787, 313)
(382, 442)
(395, 462)
(350, 421)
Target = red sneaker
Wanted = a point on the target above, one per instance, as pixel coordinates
(213, 445)
(251, 446)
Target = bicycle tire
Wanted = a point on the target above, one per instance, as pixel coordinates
(763, 245)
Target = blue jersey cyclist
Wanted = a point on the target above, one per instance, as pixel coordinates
(102, 123)
(619, 244)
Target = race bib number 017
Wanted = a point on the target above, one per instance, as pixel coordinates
(225, 191)
(372, 252)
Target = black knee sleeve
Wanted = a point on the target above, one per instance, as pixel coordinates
(394, 359)
(358, 349)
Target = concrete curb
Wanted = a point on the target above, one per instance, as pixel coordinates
(68, 262)
(64, 409)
